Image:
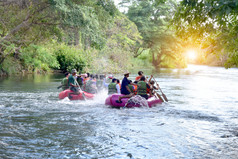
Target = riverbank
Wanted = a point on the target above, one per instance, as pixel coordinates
(26, 73)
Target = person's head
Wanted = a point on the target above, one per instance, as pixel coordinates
(114, 80)
(66, 74)
(118, 81)
(110, 76)
(102, 77)
(140, 73)
(84, 75)
(142, 78)
(74, 71)
(126, 74)
(88, 74)
(152, 82)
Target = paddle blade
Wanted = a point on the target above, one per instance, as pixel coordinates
(59, 87)
(84, 97)
(165, 98)
(160, 97)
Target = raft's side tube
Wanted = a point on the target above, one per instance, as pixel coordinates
(111, 100)
(64, 94)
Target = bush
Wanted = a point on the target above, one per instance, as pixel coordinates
(70, 57)
(39, 58)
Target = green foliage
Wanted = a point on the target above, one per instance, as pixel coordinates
(37, 57)
(70, 57)
(144, 60)
(123, 37)
(11, 66)
(86, 18)
(211, 25)
(152, 19)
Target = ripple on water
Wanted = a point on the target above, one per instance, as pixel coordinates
(200, 121)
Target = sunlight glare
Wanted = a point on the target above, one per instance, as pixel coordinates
(191, 54)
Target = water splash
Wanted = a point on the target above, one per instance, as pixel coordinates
(137, 100)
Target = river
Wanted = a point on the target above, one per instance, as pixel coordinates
(199, 121)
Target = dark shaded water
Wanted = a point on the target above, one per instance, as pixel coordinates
(200, 120)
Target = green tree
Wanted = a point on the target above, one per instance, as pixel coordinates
(122, 39)
(23, 23)
(152, 20)
(213, 25)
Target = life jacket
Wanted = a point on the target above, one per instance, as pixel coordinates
(131, 88)
(142, 88)
(80, 81)
(138, 78)
(135, 88)
(112, 88)
(64, 83)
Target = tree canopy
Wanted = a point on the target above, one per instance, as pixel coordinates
(92, 35)
(211, 24)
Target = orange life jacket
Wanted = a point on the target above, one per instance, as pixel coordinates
(138, 78)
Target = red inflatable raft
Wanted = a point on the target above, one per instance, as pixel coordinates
(64, 94)
(111, 100)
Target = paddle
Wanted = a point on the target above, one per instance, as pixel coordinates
(164, 96)
(59, 86)
(80, 89)
(159, 96)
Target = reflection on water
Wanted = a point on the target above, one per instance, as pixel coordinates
(200, 120)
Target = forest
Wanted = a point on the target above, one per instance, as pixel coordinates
(40, 36)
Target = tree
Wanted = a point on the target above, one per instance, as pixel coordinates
(24, 22)
(212, 24)
(152, 18)
(122, 39)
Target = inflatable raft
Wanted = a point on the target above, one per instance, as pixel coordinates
(64, 94)
(111, 100)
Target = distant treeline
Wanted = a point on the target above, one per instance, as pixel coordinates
(93, 35)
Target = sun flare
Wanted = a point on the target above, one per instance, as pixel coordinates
(191, 54)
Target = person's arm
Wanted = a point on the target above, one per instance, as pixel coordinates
(151, 76)
(73, 85)
(157, 88)
(118, 89)
(128, 89)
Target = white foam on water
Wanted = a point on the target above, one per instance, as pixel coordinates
(137, 100)
(99, 98)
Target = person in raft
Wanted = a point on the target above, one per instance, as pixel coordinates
(137, 79)
(152, 86)
(114, 87)
(64, 82)
(143, 87)
(73, 85)
(125, 88)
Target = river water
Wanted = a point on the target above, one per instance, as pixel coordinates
(199, 121)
